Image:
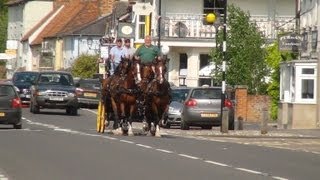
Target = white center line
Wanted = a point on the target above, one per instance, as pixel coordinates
(217, 163)
(163, 150)
(187, 156)
(130, 142)
(249, 170)
(145, 146)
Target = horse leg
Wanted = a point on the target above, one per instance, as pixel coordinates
(131, 112)
(123, 119)
(116, 115)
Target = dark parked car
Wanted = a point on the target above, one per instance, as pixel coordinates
(10, 105)
(179, 95)
(88, 92)
(23, 80)
(202, 108)
(54, 90)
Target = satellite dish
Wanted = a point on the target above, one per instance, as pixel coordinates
(181, 29)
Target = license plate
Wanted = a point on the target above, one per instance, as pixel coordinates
(90, 94)
(56, 98)
(2, 114)
(209, 115)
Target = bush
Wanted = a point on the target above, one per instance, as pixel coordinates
(85, 66)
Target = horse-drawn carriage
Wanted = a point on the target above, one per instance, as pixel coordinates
(134, 93)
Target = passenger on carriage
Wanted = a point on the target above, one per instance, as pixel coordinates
(147, 53)
(115, 55)
(128, 51)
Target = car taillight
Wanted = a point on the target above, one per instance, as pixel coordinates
(191, 103)
(16, 103)
(79, 91)
(228, 103)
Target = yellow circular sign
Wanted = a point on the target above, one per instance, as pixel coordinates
(211, 18)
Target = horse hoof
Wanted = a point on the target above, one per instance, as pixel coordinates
(106, 124)
(117, 131)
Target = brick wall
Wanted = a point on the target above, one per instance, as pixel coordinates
(106, 6)
(249, 107)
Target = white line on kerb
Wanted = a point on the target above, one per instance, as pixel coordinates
(187, 156)
(130, 142)
(163, 150)
(217, 163)
(248, 170)
(145, 146)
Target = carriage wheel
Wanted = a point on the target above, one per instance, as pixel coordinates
(101, 118)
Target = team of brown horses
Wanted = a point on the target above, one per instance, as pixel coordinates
(136, 88)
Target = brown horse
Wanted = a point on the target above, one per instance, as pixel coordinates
(157, 100)
(108, 85)
(125, 95)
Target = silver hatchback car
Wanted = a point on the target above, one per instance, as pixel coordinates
(202, 108)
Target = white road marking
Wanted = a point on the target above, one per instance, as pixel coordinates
(249, 170)
(163, 150)
(56, 128)
(130, 142)
(145, 146)
(217, 163)
(94, 112)
(279, 178)
(187, 156)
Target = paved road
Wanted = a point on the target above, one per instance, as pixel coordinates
(55, 146)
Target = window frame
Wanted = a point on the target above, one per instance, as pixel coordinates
(301, 77)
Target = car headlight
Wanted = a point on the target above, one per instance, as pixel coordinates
(71, 95)
(41, 93)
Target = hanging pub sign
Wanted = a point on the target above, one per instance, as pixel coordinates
(290, 42)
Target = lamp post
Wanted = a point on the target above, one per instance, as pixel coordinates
(211, 18)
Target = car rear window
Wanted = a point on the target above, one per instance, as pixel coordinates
(24, 77)
(179, 95)
(6, 90)
(206, 94)
(89, 84)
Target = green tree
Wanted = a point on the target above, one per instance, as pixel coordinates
(3, 25)
(273, 58)
(85, 66)
(245, 56)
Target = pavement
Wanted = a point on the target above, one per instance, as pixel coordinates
(251, 130)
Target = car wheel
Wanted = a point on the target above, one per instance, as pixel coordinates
(74, 111)
(17, 126)
(184, 125)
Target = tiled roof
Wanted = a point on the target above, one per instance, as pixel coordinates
(37, 26)
(75, 14)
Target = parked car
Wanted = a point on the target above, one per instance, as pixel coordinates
(88, 92)
(10, 105)
(23, 80)
(202, 108)
(54, 90)
(173, 117)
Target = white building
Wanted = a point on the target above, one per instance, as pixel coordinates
(22, 16)
(190, 41)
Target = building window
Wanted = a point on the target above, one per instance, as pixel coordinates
(183, 68)
(314, 40)
(307, 89)
(304, 41)
(306, 84)
(142, 26)
(210, 6)
(205, 69)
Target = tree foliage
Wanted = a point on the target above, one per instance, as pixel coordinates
(85, 66)
(274, 58)
(245, 56)
(3, 25)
